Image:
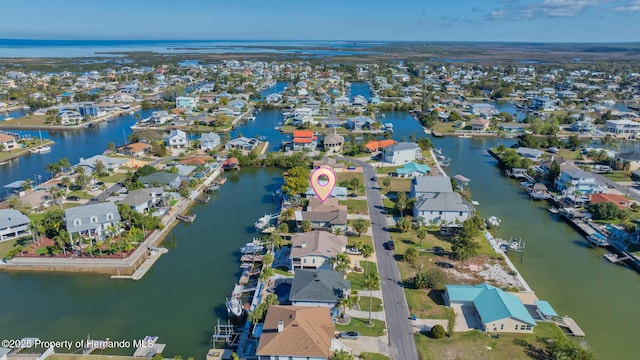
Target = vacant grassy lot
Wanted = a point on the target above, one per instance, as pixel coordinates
(360, 325)
(386, 169)
(396, 185)
(477, 345)
(356, 206)
(617, 176)
(344, 178)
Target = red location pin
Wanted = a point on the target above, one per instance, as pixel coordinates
(323, 180)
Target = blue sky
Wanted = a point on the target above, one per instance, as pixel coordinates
(425, 20)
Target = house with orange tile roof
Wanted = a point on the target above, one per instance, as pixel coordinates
(379, 145)
(618, 200)
(303, 140)
(296, 332)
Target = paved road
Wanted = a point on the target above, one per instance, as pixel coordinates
(402, 345)
(626, 190)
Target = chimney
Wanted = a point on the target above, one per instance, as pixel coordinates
(280, 326)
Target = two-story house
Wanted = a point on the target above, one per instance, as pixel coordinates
(142, 200)
(7, 142)
(92, 220)
(577, 180)
(304, 140)
(315, 249)
(209, 141)
(13, 224)
(401, 153)
(177, 139)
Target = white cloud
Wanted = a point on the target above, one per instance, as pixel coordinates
(498, 14)
(554, 8)
(563, 8)
(631, 7)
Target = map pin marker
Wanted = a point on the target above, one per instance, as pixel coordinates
(323, 180)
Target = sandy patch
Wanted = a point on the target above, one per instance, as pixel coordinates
(496, 273)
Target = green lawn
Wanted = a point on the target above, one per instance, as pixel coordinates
(396, 185)
(345, 177)
(386, 169)
(172, 202)
(5, 246)
(354, 239)
(364, 303)
(617, 176)
(389, 205)
(113, 178)
(373, 356)
(360, 325)
(357, 279)
(477, 345)
(356, 206)
(282, 272)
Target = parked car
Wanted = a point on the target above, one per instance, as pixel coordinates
(611, 186)
(353, 335)
(353, 251)
(73, 198)
(391, 245)
(374, 178)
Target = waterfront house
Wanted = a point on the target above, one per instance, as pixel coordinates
(338, 192)
(429, 186)
(160, 117)
(111, 164)
(618, 200)
(341, 101)
(142, 200)
(209, 141)
(92, 220)
(576, 180)
(273, 98)
(138, 149)
(567, 94)
(296, 332)
(529, 153)
(328, 215)
(322, 288)
(445, 208)
(359, 123)
(632, 157)
(303, 140)
(413, 169)
(480, 124)
(231, 164)
(514, 128)
(7, 142)
(497, 310)
(13, 224)
(69, 117)
(333, 143)
(624, 127)
(581, 126)
(176, 139)
(543, 103)
(401, 153)
(244, 144)
(161, 178)
(187, 102)
(374, 146)
(315, 249)
(483, 109)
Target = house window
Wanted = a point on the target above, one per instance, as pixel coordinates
(314, 261)
(460, 213)
(109, 216)
(528, 327)
(94, 219)
(516, 327)
(501, 326)
(440, 213)
(304, 260)
(76, 222)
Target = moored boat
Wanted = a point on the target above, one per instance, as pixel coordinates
(492, 221)
(598, 239)
(234, 307)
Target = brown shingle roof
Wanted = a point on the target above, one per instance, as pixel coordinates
(195, 160)
(307, 332)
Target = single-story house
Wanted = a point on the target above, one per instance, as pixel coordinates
(242, 143)
(315, 249)
(401, 153)
(296, 332)
(318, 288)
(632, 157)
(111, 164)
(92, 220)
(328, 216)
(359, 123)
(13, 224)
(161, 178)
(338, 192)
(480, 124)
(497, 310)
(618, 200)
(413, 169)
(529, 153)
(135, 149)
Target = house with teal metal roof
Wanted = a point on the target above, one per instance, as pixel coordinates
(413, 169)
(497, 310)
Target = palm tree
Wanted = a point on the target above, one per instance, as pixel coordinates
(366, 250)
(371, 281)
(61, 242)
(341, 262)
(348, 302)
(64, 164)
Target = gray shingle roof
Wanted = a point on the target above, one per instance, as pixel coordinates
(11, 218)
(446, 201)
(318, 285)
(431, 184)
(85, 213)
(162, 178)
(402, 146)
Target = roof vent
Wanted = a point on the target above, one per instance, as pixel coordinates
(280, 326)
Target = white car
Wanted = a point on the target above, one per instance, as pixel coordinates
(353, 251)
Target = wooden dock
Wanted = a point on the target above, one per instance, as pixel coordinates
(568, 323)
(186, 218)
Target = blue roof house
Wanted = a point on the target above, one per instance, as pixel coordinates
(413, 169)
(497, 310)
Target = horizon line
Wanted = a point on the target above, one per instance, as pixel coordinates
(339, 40)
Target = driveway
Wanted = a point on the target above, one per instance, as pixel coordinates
(466, 318)
(376, 344)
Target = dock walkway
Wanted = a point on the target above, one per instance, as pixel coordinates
(568, 323)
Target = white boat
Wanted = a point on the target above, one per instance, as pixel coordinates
(465, 136)
(41, 149)
(26, 107)
(7, 118)
(262, 222)
(598, 239)
(251, 248)
(251, 118)
(234, 307)
(492, 221)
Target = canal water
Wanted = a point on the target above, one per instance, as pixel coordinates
(73, 145)
(179, 299)
(557, 264)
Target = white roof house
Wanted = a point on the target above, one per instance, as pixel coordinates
(177, 139)
(13, 224)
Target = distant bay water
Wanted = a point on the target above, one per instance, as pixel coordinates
(31, 48)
